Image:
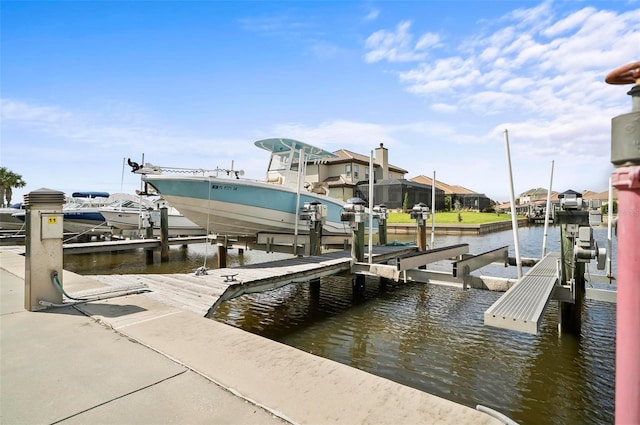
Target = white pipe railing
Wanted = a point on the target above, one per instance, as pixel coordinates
(514, 216)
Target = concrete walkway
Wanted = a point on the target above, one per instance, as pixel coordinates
(135, 360)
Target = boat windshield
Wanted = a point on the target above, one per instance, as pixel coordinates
(280, 162)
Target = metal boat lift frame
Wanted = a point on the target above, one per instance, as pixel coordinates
(408, 267)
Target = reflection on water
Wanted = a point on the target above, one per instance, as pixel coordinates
(429, 337)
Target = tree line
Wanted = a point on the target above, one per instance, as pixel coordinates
(8, 181)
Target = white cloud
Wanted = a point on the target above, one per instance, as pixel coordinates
(538, 73)
(398, 46)
(335, 134)
(444, 107)
(99, 140)
(372, 15)
(569, 23)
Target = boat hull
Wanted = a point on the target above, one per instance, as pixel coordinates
(178, 225)
(9, 219)
(243, 207)
(76, 221)
(84, 222)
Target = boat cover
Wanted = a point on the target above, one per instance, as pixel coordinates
(90, 195)
(284, 145)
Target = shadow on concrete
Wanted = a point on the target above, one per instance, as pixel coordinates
(89, 309)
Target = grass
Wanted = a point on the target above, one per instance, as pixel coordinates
(468, 217)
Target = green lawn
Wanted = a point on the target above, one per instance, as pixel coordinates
(468, 217)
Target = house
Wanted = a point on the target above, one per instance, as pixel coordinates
(532, 195)
(466, 198)
(401, 193)
(340, 175)
(603, 197)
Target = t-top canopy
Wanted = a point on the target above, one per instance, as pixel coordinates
(285, 145)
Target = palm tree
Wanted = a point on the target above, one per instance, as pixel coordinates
(9, 180)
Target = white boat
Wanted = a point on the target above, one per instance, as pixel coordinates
(82, 215)
(226, 204)
(9, 217)
(134, 216)
(81, 212)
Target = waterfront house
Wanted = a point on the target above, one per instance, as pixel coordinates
(340, 175)
(467, 199)
(401, 194)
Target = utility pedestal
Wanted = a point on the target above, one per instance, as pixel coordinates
(44, 255)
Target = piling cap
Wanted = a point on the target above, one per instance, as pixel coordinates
(44, 196)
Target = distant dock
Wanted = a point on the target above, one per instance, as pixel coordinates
(455, 228)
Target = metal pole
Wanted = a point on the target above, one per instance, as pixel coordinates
(371, 207)
(433, 210)
(546, 215)
(610, 231)
(627, 181)
(297, 210)
(625, 155)
(514, 216)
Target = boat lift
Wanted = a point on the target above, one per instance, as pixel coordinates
(411, 266)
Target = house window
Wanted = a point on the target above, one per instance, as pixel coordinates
(356, 171)
(366, 173)
(347, 170)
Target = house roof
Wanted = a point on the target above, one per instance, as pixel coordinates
(448, 189)
(533, 192)
(344, 156)
(588, 195)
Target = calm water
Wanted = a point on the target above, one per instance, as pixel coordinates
(426, 336)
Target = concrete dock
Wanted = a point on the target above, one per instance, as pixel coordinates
(135, 359)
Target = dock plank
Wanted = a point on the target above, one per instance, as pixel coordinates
(522, 306)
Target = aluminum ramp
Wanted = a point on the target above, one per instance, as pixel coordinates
(522, 306)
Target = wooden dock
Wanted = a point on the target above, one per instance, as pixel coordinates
(202, 293)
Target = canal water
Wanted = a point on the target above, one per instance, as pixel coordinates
(428, 337)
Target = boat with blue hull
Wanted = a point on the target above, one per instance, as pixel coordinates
(224, 203)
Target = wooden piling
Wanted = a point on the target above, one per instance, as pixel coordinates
(222, 256)
(164, 234)
(357, 243)
(357, 253)
(422, 235)
(382, 232)
(315, 238)
(149, 235)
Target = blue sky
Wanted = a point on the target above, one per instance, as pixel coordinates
(85, 84)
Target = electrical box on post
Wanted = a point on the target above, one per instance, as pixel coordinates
(51, 226)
